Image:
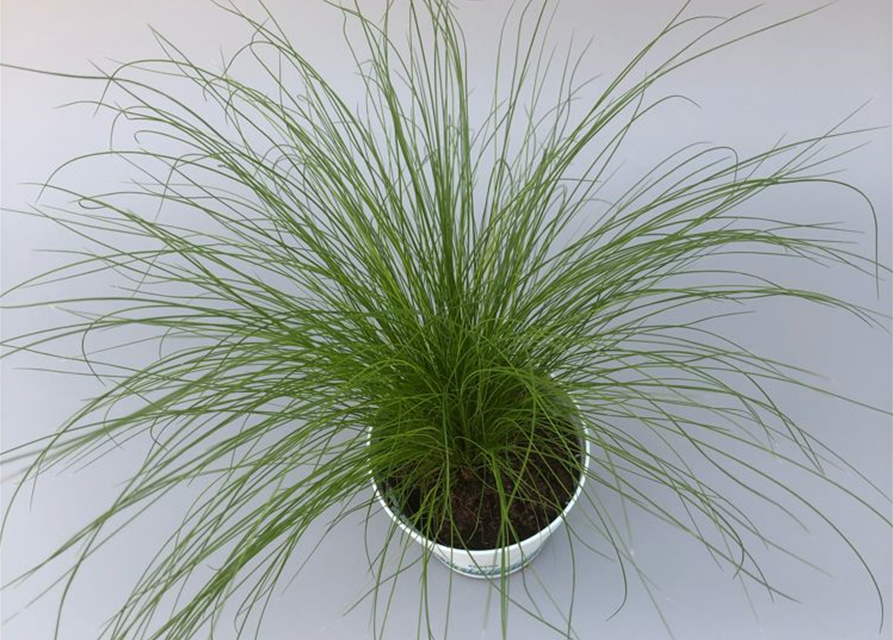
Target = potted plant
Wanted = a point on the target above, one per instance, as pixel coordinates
(409, 309)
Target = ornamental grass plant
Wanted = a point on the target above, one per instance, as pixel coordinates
(450, 305)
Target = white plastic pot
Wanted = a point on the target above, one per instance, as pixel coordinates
(489, 563)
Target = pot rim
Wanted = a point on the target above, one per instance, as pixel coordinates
(543, 533)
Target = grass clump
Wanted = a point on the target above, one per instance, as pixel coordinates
(438, 300)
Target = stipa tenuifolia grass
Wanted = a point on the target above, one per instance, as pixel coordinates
(312, 272)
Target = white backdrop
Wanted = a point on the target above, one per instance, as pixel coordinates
(797, 81)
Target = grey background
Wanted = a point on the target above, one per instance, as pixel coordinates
(798, 81)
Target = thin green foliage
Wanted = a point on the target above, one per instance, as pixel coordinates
(405, 290)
